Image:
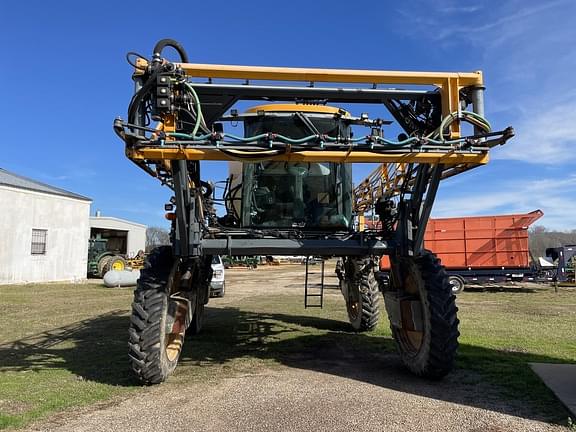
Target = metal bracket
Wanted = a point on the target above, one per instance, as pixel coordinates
(183, 214)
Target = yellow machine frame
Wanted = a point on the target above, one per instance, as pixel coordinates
(449, 84)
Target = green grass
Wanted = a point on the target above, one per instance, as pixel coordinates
(64, 346)
(60, 346)
(504, 331)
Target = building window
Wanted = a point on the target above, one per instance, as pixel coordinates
(39, 241)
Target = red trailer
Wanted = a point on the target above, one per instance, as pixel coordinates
(481, 248)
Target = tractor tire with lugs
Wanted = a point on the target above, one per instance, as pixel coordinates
(114, 262)
(153, 354)
(363, 297)
(430, 352)
(103, 264)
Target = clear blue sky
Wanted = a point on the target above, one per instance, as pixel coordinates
(64, 80)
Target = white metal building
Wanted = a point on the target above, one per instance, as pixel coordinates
(124, 237)
(43, 231)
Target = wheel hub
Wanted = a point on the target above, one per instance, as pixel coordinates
(118, 265)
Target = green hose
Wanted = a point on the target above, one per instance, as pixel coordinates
(199, 116)
(285, 139)
(467, 116)
(435, 137)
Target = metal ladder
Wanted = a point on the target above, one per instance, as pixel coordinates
(308, 286)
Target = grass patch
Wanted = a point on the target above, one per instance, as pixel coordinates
(61, 346)
(502, 332)
(64, 346)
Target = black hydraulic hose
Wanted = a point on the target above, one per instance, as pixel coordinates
(208, 188)
(171, 43)
(137, 98)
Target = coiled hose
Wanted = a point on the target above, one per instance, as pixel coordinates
(159, 47)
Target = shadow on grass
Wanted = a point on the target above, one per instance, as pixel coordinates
(96, 350)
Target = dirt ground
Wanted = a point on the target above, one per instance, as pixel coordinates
(329, 388)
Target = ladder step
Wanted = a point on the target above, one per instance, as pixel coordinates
(317, 286)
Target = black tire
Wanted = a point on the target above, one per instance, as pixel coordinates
(431, 352)
(457, 284)
(203, 295)
(361, 294)
(197, 320)
(148, 353)
(339, 270)
(103, 265)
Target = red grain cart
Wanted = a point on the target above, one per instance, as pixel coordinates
(480, 249)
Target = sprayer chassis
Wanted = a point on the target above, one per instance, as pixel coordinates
(430, 110)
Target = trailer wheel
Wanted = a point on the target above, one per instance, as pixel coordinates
(427, 335)
(360, 290)
(154, 342)
(457, 284)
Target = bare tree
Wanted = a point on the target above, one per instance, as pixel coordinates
(541, 239)
(156, 236)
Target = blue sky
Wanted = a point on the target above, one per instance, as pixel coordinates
(64, 80)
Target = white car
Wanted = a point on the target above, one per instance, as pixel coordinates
(218, 284)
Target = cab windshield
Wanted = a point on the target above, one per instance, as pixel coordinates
(297, 194)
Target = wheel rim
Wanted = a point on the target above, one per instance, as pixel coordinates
(352, 302)
(456, 284)
(175, 321)
(411, 340)
(174, 343)
(353, 308)
(118, 265)
(175, 329)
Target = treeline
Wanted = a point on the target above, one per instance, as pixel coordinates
(156, 236)
(541, 238)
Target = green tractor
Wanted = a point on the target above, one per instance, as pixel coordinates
(101, 260)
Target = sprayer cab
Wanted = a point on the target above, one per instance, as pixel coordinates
(302, 195)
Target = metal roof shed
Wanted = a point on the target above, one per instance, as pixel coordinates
(43, 231)
(124, 237)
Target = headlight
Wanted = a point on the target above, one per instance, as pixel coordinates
(218, 274)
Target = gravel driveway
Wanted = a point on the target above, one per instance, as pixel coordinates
(292, 399)
(308, 392)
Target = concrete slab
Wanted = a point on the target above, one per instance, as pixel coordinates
(561, 379)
